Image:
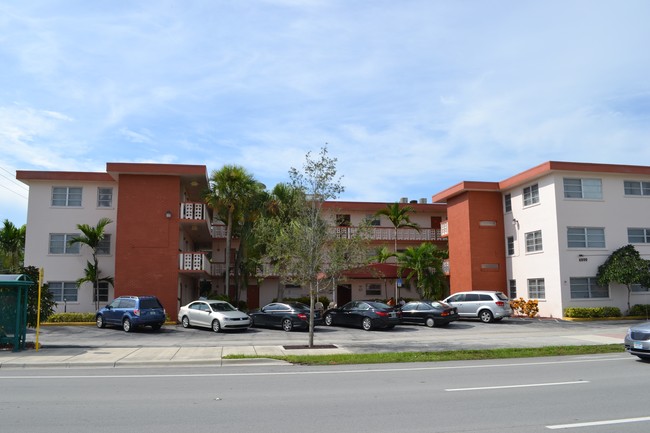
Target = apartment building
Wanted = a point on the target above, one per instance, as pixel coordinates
(541, 234)
(165, 241)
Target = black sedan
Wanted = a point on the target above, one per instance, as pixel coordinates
(366, 314)
(285, 315)
(430, 313)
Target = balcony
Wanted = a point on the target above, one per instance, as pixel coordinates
(445, 266)
(194, 262)
(388, 234)
(444, 228)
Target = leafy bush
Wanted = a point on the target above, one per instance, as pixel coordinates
(639, 310)
(528, 308)
(592, 312)
(71, 317)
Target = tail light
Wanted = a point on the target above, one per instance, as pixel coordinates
(381, 313)
(136, 312)
(302, 316)
(500, 303)
(445, 313)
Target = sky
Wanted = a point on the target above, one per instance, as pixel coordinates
(410, 96)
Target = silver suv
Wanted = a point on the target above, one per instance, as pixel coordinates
(487, 306)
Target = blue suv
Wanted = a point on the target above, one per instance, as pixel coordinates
(129, 312)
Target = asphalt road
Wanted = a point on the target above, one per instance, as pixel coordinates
(466, 334)
(595, 394)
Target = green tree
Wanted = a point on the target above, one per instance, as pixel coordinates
(92, 238)
(399, 217)
(12, 246)
(92, 275)
(47, 298)
(230, 188)
(423, 265)
(624, 266)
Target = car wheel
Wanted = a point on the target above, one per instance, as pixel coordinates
(485, 316)
(126, 325)
(287, 325)
(430, 322)
(328, 319)
(216, 326)
(99, 320)
(156, 327)
(366, 324)
(185, 321)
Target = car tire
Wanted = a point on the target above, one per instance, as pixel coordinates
(430, 322)
(328, 320)
(366, 323)
(156, 327)
(486, 316)
(99, 320)
(127, 326)
(185, 321)
(287, 325)
(216, 326)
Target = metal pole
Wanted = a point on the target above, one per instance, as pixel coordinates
(38, 308)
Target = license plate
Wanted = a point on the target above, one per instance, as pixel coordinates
(638, 345)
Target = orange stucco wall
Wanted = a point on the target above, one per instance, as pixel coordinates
(473, 245)
(146, 257)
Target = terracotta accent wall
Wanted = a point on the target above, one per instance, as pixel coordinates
(472, 245)
(147, 241)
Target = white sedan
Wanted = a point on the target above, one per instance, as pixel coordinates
(213, 314)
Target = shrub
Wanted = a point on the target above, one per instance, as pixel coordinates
(528, 308)
(592, 312)
(639, 310)
(71, 317)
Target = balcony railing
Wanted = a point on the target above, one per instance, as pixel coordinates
(444, 228)
(445, 266)
(388, 234)
(194, 211)
(194, 262)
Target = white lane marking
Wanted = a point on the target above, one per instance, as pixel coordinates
(293, 372)
(529, 385)
(597, 423)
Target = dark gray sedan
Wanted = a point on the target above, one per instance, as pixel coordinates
(430, 313)
(285, 315)
(365, 314)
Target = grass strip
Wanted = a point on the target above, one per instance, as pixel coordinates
(449, 355)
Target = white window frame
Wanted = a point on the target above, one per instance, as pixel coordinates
(510, 245)
(104, 197)
(66, 196)
(512, 289)
(507, 202)
(531, 195)
(64, 291)
(536, 288)
(588, 237)
(67, 249)
(104, 246)
(587, 286)
(583, 189)
(534, 242)
(636, 188)
(641, 237)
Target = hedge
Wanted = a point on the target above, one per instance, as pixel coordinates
(592, 312)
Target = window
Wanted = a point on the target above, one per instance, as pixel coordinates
(63, 291)
(343, 220)
(510, 245)
(102, 292)
(583, 188)
(531, 195)
(639, 288)
(507, 202)
(635, 187)
(587, 288)
(59, 244)
(373, 289)
(66, 196)
(586, 237)
(536, 288)
(512, 289)
(534, 241)
(373, 220)
(104, 197)
(104, 246)
(638, 236)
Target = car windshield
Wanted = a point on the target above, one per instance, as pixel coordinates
(379, 305)
(222, 306)
(149, 303)
(502, 296)
(299, 306)
(436, 304)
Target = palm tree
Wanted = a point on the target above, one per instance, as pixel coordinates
(399, 218)
(12, 246)
(92, 238)
(91, 275)
(424, 264)
(231, 186)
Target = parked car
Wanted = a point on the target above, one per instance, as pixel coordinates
(213, 314)
(487, 306)
(430, 313)
(130, 312)
(366, 314)
(637, 341)
(285, 315)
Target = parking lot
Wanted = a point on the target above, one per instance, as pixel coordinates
(464, 334)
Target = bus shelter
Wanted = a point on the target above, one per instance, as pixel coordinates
(13, 309)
